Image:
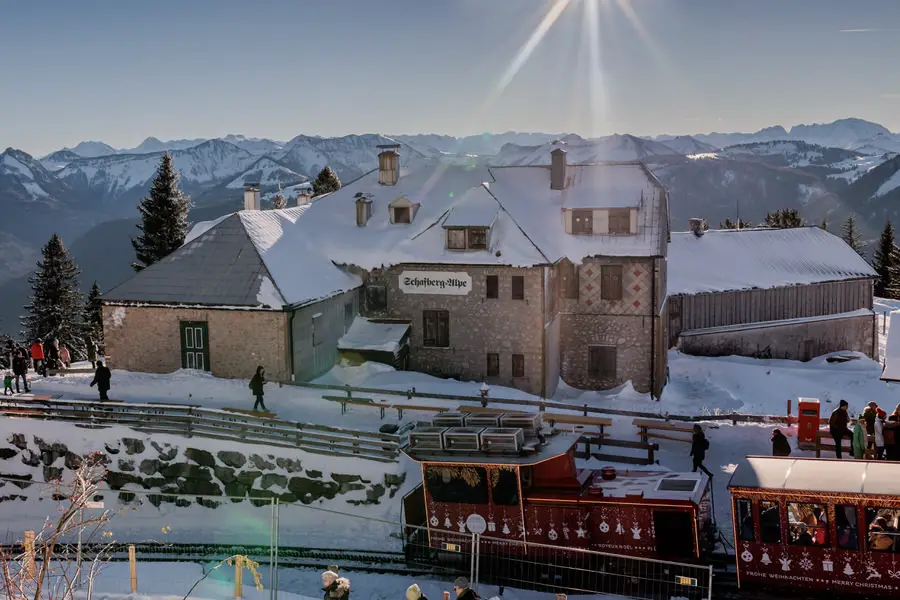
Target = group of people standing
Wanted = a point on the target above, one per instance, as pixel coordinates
(52, 357)
(874, 435)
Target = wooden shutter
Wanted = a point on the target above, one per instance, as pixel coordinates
(518, 287)
(493, 364)
(611, 282)
(492, 283)
(518, 365)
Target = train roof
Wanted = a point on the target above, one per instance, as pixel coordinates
(553, 446)
(875, 478)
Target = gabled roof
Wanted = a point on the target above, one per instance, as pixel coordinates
(730, 259)
(220, 267)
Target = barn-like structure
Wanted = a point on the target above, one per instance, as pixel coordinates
(769, 293)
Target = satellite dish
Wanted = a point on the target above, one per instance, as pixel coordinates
(476, 524)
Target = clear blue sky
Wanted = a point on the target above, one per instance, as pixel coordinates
(119, 71)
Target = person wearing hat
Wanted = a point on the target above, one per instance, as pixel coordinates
(859, 440)
(462, 589)
(880, 416)
(335, 587)
(780, 444)
(414, 593)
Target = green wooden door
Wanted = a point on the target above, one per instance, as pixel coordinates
(195, 345)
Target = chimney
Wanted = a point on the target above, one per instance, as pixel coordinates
(304, 197)
(558, 169)
(697, 226)
(388, 164)
(251, 197)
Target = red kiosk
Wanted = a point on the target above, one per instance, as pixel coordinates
(809, 417)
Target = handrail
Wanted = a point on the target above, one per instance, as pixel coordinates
(193, 420)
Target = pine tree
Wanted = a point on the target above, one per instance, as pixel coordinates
(92, 317)
(882, 260)
(164, 215)
(326, 181)
(893, 288)
(739, 224)
(784, 218)
(54, 308)
(850, 234)
(279, 202)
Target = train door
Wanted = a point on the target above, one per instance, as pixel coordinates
(674, 534)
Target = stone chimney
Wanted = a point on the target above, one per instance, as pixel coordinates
(389, 164)
(698, 226)
(558, 164)
(251, 197)
(304, 197)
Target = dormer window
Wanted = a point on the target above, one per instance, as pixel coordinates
(469, 223)
(403, 211)
(456, 238)
(363, 209)
(478, 238)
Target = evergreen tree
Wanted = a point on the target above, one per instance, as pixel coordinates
(850, 234)
(54, 309)
(164, 215)
(326, 181)
(784, 218)
(93, 316)
(279, 202)
(882, 260)
(893, 288)
(739, 224)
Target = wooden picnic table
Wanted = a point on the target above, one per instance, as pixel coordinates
(367, 402)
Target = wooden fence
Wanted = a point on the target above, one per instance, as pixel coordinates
(196, 421)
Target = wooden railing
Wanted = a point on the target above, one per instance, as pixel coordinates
(196, 421)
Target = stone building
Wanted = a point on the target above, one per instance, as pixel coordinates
(769, 293)
(521, 276)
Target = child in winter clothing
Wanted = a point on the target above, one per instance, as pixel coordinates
(699, 446)
(859, 437)
(780, 444)
(7, 384)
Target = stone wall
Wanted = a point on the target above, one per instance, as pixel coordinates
(167, 471)
(148, 339)
(478, 325)
(793, 341)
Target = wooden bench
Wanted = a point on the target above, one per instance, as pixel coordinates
(367, 402)
(648, 428)
(401, 407)
(21, 412)
(604, 440)
(250, 413)
(80, 371)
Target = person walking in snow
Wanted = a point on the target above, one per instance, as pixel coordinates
(256, 386)
(780, 444)
(102, 378)
(20, 370)
(699, 446)
(414, 593)
(37, 356)
(838, 424)
(858, 444)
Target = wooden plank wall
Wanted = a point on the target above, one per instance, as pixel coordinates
(718, 309)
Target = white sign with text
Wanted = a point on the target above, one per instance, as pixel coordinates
(435, 282)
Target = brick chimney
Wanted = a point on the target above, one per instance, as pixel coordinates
(251, 197)
(697, 226)
(388, 164)
(558, 164)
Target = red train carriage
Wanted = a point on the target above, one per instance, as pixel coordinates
(817, 524)
(519, 481)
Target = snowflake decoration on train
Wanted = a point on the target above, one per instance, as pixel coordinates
(805, 563)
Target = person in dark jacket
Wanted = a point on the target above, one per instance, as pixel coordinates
(53, 363)
(463, 591)
(20, 371)
(780, 444)
(102, 377)
(838, 424)
(699, 446)
(256, 386)
(92, 352)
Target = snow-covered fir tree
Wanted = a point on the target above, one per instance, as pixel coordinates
(883, 260)
(893, 288)
(164, 217)
(54, 310)
(279, 202)
(93, 316)
(326, 181)
(850, 235)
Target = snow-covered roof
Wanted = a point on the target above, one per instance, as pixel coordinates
(816, 475)
(369, 335)
(652, 485)
(476, 208)
(891, 370)
(525, 192)
(729, 259)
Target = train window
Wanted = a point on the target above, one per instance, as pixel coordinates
(745, 520)
(467, 485)
(769, 522)
(808, 524)
(504, 487)
(883, 529)
(847, 526)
